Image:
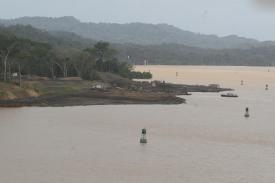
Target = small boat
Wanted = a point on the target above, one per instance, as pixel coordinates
(143, 139)
(246, 112)
(229, 95)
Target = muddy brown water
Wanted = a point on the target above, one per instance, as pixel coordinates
(207, 140)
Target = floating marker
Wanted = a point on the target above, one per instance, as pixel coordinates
(242, 82)
(266, 87)
(143, 139)
(246, 112)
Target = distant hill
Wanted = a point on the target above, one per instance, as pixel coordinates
(175, 54)
(136, 33)
(54, 38)
(67, 43)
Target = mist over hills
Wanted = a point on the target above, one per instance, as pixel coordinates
(136, 33)
(175, 54)
(69, 43)
(54, 38)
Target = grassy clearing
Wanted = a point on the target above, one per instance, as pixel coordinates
(2, 93)
(37, 88)
(60, 87)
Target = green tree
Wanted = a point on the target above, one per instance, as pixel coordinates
(103, 55)
(7, 44)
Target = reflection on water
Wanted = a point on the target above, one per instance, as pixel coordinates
(207, 140)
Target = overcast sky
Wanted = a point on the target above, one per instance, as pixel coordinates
(222, 17)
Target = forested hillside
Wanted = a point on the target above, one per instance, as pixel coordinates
(64, 54)
(136, 33)
(29, 51)
(170, 54)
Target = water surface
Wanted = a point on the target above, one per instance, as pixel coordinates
(206, 140)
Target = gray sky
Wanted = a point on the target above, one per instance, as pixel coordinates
(247, 18)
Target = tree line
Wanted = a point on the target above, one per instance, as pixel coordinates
(27, 57)
(64, 54)
(175, 54)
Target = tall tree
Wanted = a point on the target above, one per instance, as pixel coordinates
(102, 54)
(7, 43)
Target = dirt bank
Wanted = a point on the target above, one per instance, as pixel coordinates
(95, 97)
(111, 89)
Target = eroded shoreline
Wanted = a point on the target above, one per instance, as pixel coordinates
(94, 97)
(99, 97)
(110, 90)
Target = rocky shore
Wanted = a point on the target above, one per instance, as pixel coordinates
(95, 97)
(110, 90)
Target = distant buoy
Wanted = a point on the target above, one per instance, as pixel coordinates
(143, 139)
(246, 112)
(242, 83)
(266, 87)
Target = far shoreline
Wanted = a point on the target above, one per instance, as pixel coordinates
(205, 66)
(61, 93)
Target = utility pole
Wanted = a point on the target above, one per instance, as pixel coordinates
(5, 69)
(19, 74)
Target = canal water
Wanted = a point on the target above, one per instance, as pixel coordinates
(206, 140)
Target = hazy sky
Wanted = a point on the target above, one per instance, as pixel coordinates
(222, 17)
